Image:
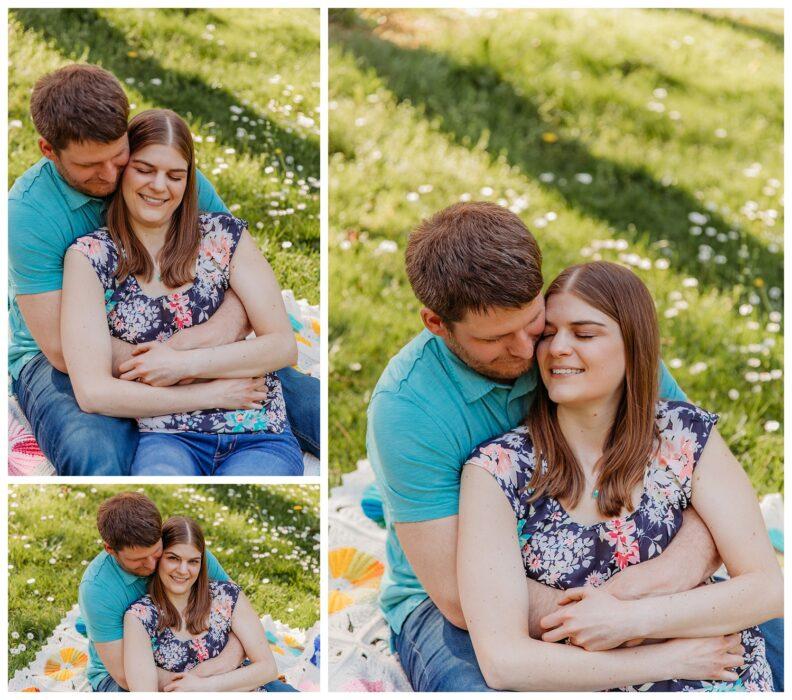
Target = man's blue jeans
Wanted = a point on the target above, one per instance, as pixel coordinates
(438, 657)
(86, 444)
(218, 454)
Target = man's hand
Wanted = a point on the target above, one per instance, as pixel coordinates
(590, 618)
(156, 364)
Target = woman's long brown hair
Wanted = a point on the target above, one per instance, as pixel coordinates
(178, 254)
(618, 293)
(181, 530)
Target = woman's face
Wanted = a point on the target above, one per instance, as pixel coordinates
(153, 184)
(179, 567)
(581, 353)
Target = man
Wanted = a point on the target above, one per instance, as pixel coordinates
(465, 379)
(131, 529)
(81, 114)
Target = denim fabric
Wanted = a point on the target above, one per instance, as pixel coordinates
(108, 685)
(773, 632)
(77, 443)
(87, 444)
(435, 655)
(218, 454)
(301, 394)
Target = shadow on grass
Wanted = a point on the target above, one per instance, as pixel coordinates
(474, 104)
(770, 37)
(83, 34)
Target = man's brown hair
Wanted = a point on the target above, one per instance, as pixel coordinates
(79, 102)
(129, 520)
(619, 294)
(473, 256)
(177, 257)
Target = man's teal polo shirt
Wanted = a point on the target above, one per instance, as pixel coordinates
(106, 591)
(428, 412)
(45, 216)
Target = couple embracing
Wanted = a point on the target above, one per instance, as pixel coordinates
(162, 614)
(132, 294)
(555, 506)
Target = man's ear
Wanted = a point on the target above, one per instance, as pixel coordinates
(434, 323)
(46, 149)
(109, 549)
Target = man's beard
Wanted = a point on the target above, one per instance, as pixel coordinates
(80, 187)
(491, 370)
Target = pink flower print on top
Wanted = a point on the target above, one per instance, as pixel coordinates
(495, 459)
(619, 534)
(677, 451)
(179, 304)
(201, 650)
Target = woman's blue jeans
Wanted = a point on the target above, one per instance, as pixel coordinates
(218, 454)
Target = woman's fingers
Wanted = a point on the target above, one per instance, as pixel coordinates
(131, 374)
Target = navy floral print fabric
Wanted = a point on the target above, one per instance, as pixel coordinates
(136, 318)
(178, 655)
(562, 553)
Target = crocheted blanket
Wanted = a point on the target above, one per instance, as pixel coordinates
(25, 457)
(359, 636)
(61, 663)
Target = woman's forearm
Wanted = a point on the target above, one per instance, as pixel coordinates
(243, 678)
(720, 608)
(122, 399)
(529, 665)
(246, 358)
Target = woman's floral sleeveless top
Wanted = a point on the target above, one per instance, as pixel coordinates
(136, 318)
(562, 553)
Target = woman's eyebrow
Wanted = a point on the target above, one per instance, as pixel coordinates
(150, 165)
(587, 323)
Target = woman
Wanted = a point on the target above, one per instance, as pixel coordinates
(157, 268)
(617, 470)
(186, 619)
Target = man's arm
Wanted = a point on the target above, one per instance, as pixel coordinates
(42, 316)
(112, 656)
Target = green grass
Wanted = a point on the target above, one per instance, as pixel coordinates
(245, 80)
(265, 537)
(674, 116)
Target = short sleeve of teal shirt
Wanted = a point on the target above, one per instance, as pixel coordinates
(420, 468)
(208, 199)
(105, 622)
(669, 389)
(213, 568)
(35, 259)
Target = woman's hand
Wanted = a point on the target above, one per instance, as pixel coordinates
(705, 658)
(187, 683)
(591, 618)
(156, 364)
(232, 394)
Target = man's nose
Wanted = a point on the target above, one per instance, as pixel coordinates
(522, 345)
(109, 172)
